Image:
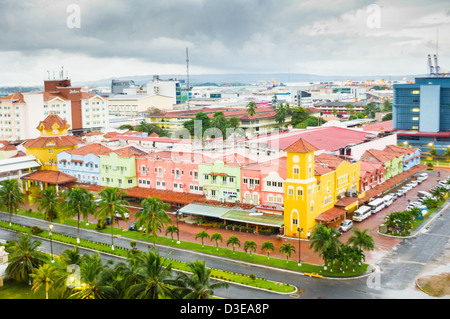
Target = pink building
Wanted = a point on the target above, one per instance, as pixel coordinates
(262, 184)
(171, 171)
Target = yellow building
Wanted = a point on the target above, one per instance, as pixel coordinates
(53, 139)
(314, 186)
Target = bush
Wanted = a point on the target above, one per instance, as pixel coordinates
(36, 230)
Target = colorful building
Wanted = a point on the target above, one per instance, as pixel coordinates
(83, 163)
(393, 162)
(53, 139)
(313, 187)
(118, 168)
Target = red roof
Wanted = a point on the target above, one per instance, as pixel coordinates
(52, 119)
(52, 141)
(94, 148)
(331, 214)
(51, 177)
(301, 146)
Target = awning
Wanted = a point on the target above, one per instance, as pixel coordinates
(330, 215)
(243, 216)
(204, 210)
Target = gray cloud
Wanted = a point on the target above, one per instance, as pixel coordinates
(232, 35)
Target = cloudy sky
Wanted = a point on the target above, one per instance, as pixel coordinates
(100, 39)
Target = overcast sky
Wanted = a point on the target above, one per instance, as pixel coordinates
(100, 39)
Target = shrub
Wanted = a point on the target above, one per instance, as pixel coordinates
(36, 230)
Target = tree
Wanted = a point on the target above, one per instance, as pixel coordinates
(250, 245)
(150, 128)
(172, 229)
(430, 202)
(216, 237)
(446, 153)
(205, 122)
(299, 116)
(95, 280)
(153, 216)
(274, 100)
(44, 276)
(197, 285)
(433, 152)
(112, 204)
(78, 202)
(10, 197)
(361, 240)
(282, 112)
(334, 111)
(233, 241)
(387, 117)
(220, 122)
(287, 249)
(24, 258)
(439, 193)
(49, 201)
(324, 240)
(350, 108)
(126, 127)
(153, 277)
(202, 235)
(251, 108)
(267, 245)
(387, 106)
(234, 122)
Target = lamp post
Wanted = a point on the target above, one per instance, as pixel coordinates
(50, 227)
(178, 230)
(300, 230)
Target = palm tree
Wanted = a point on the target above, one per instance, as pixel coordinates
(10, 196)
(24, 258)
(127, 274)
(233, 241)
(197, 285)
(172, 229)
(78, 202)
(268, 245)
(325, 241)
(430, 202)
(202, 235)
(439, 193)
(250, 245)
(251, 108)
(153, 277)
(95, 283)
(50, 202)
(216, 237)
(111, 204)
(361, 240)
(287, 249)
(44, 276)
(153, 216)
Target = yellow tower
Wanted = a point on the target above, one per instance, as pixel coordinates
(300, 205)
(54, 139)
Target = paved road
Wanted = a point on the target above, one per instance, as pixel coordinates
(399, 267)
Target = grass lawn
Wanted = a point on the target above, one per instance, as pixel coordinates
(14, 290)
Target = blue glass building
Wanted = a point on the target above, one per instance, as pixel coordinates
(421, 112)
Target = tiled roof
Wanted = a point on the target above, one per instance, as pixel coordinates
(14, 97)
(8, 147)
(52, 119)
(377, 155)
(94, 148)
(51, 177)
(328, 160)
(330, 214)
(300, 146)
(52, 141)
(130, 151)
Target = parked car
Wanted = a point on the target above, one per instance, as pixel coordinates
(119, 216)
(346, 225)
(133, 227)
(413, 184)
(400, 192)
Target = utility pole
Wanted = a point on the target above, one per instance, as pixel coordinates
(187, 73)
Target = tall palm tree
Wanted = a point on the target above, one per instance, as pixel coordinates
(361, 239)
(24, 258)
(251, 108)
(439, 193)
(216, 237)
(325, 241)
(202, 235)
(268, 245)
(95, 283)
(172, 229)
(10, 196)
(153, 278)
(153, 216)
(197, 285)
(77, 202)
(287, 249)
(50, 202)
(233, 241)
(250, 245)
(110, 205)
(45, 276)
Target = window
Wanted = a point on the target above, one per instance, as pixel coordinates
(416, 92)
(415, 118)
(130, 181)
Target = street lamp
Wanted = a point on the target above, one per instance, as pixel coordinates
(300, 230)
(50, 227)
(178, 230)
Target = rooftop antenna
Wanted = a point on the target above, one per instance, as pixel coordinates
(48, 74)
(430, 65)
(187, 73)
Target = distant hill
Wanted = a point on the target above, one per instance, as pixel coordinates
(247, 79)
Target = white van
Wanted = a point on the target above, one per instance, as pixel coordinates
(423, 194)
(361, 213)
(388, 199)
(377, 205)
